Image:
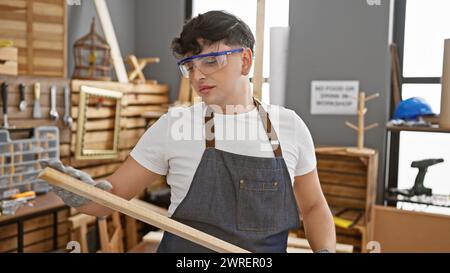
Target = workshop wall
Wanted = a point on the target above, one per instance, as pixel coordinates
(157, 23)
(327, 44)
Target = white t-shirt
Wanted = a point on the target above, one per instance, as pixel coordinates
(174, 145)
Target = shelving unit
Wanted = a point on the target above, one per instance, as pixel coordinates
(391, 175)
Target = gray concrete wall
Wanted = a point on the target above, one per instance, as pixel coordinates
(340, 40)
(157, 23)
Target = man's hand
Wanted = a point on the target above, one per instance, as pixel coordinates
(69, 198)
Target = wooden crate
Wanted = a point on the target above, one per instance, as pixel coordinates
(39, 29)
(348, 182)
(8, 60)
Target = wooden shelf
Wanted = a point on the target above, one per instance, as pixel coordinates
(433, 129)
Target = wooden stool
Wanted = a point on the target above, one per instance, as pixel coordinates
(114, 243)
(79, 228)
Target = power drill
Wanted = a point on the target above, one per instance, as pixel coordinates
(419, 188)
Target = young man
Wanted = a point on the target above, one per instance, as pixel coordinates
(238, 170)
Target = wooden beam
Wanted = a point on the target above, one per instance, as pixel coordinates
(136, 211)
(110, 35)
(259, 54)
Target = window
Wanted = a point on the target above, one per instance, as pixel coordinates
(276, 15)
(420, 30)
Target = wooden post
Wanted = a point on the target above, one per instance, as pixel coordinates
(259, 54)
(131, 209)
(362, 110)
(110, 35)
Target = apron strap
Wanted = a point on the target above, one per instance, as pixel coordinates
(271, 134)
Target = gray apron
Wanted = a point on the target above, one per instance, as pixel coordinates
(245, 200)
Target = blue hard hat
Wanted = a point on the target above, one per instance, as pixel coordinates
(412, 108)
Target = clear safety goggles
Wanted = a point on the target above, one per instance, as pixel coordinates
(205, 63)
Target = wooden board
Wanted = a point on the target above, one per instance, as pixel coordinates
(110, 35)
(133, 210)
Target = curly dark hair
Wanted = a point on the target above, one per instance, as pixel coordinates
(212, 26)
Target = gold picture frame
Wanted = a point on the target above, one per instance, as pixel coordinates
(81, 152)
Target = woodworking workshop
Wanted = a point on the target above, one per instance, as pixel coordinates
(225, 126)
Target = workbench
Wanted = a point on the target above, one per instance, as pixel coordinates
(41, 227)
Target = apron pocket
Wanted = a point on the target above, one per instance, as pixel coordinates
(259, 205)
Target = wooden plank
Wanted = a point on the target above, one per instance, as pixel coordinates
(126, 207)
(38, 222)
(106, 112)
(344, 191)
(30, 37)
(48, 62)
(122, 87)
(337, 164)
(37, 235)
(108, 124)
(13, 25)
(18, 15)
(8, 54)
(44, 44)
(338, 201)
(8, 244)
(13, 3)
(48, 19)
(342, 179)
(132, 99)
(259, 51)
(48, 28)
(48, 9)
(8, 231)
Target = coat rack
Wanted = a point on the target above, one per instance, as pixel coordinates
(362, 110)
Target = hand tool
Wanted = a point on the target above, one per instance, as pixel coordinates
(4, 91)
(23, 102)
(53, 113)
(67, 118)
(37, 104)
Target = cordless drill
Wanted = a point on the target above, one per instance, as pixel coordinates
(419, 188)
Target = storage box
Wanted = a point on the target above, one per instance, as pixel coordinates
(8, 60)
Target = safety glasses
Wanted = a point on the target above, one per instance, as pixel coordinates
(205, 63)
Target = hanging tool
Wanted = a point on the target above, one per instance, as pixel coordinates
(23, 102)
(53, 113)
(37, 104)
(67, 117)
(5, 106)
(419, 188)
